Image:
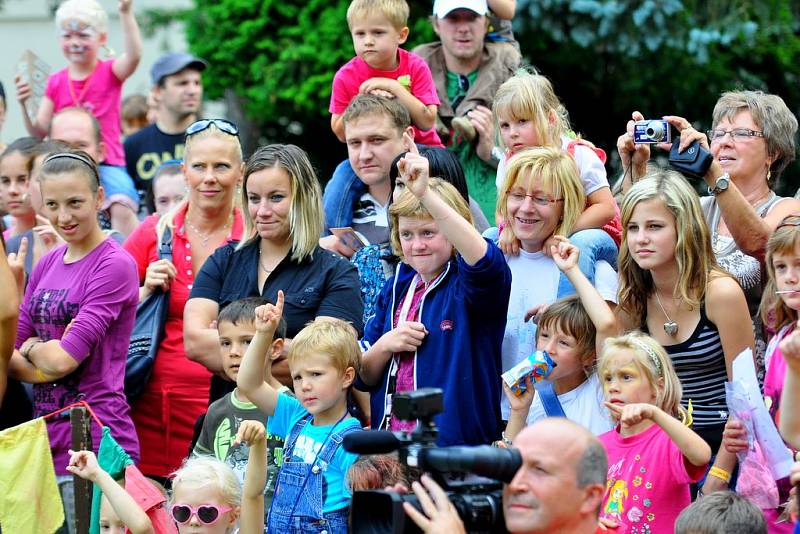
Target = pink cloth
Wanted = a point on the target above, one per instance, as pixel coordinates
(150, 499)
(648, 481)
(405, 369)
(773, 387)
(101, 98)
(349, 78)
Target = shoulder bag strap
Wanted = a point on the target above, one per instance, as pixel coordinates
(550, 403)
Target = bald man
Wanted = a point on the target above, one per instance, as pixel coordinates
(558, 489)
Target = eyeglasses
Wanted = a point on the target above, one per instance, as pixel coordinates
(208, 514)
(737, 134)
(222, 125)
(538, 199)
(790, 220)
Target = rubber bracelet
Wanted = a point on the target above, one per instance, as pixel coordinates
(40, 375)
(720, 473)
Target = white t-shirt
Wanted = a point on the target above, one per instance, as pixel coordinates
(593, 172)
(534, 280)
(584, 405)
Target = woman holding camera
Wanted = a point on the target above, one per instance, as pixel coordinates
(752, 140)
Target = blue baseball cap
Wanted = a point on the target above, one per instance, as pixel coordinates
(174, 62)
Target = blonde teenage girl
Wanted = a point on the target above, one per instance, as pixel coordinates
(672, 288)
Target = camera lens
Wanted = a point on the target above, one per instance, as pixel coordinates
(655, 130)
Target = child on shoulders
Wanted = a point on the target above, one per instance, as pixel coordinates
(382, 68)
(88, 82)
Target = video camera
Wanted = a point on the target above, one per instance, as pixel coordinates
(479, 504)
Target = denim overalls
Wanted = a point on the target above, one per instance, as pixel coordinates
(297, 504)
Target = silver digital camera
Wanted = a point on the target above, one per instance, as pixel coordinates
(651, 131)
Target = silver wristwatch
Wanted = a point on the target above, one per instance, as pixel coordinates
(720, 185)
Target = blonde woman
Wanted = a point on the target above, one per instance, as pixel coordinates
(672, 289)
(279, 251)
(177, 393)
(542, 196)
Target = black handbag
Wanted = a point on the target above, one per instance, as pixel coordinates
(148, 331)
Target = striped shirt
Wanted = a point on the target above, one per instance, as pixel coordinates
(700, 365)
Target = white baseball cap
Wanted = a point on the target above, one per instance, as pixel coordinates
(442, 7)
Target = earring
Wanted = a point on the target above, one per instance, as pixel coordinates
(769, 175)
(238, 190)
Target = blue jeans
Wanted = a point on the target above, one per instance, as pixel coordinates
(595, 245)
(298, 500)
(341, 193)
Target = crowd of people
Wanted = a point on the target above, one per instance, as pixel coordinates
(468, 229)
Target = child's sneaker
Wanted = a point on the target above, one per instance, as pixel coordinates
(464, 128)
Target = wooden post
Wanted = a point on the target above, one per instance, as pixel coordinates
(81, 440)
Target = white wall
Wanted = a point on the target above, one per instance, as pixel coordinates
(29, 24)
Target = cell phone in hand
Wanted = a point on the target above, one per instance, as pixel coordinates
(350, 237)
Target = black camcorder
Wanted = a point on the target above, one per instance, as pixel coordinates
(479, 503)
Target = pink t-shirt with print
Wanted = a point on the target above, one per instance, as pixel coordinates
(100, 95)
(648, 481)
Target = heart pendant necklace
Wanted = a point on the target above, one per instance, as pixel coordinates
(670, 326)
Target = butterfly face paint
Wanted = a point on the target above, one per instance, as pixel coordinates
(79, 41)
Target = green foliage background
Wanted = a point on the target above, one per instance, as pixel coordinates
(276, 59)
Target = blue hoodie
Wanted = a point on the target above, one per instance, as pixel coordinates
(464, 312)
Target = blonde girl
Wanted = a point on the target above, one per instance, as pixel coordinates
(529, 114)
(672, 289)
(206, 497)
(653, 456)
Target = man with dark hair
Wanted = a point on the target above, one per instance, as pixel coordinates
(558, 489)
(79, 129)
(178, 89)
(467, 72)
(377, 130)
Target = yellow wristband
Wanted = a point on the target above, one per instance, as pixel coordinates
(39, 375)
(720, 473)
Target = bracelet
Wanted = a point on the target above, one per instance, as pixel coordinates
(25, 350)
(507, 442)
(39, 375)
(720, 473)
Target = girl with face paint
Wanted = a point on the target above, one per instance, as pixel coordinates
(87, 81)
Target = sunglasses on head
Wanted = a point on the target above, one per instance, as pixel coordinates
(203, 124)
(790, 220)
(208, 514)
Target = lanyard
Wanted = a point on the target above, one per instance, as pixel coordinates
(77, 100)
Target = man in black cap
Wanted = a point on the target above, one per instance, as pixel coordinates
(178, 89)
